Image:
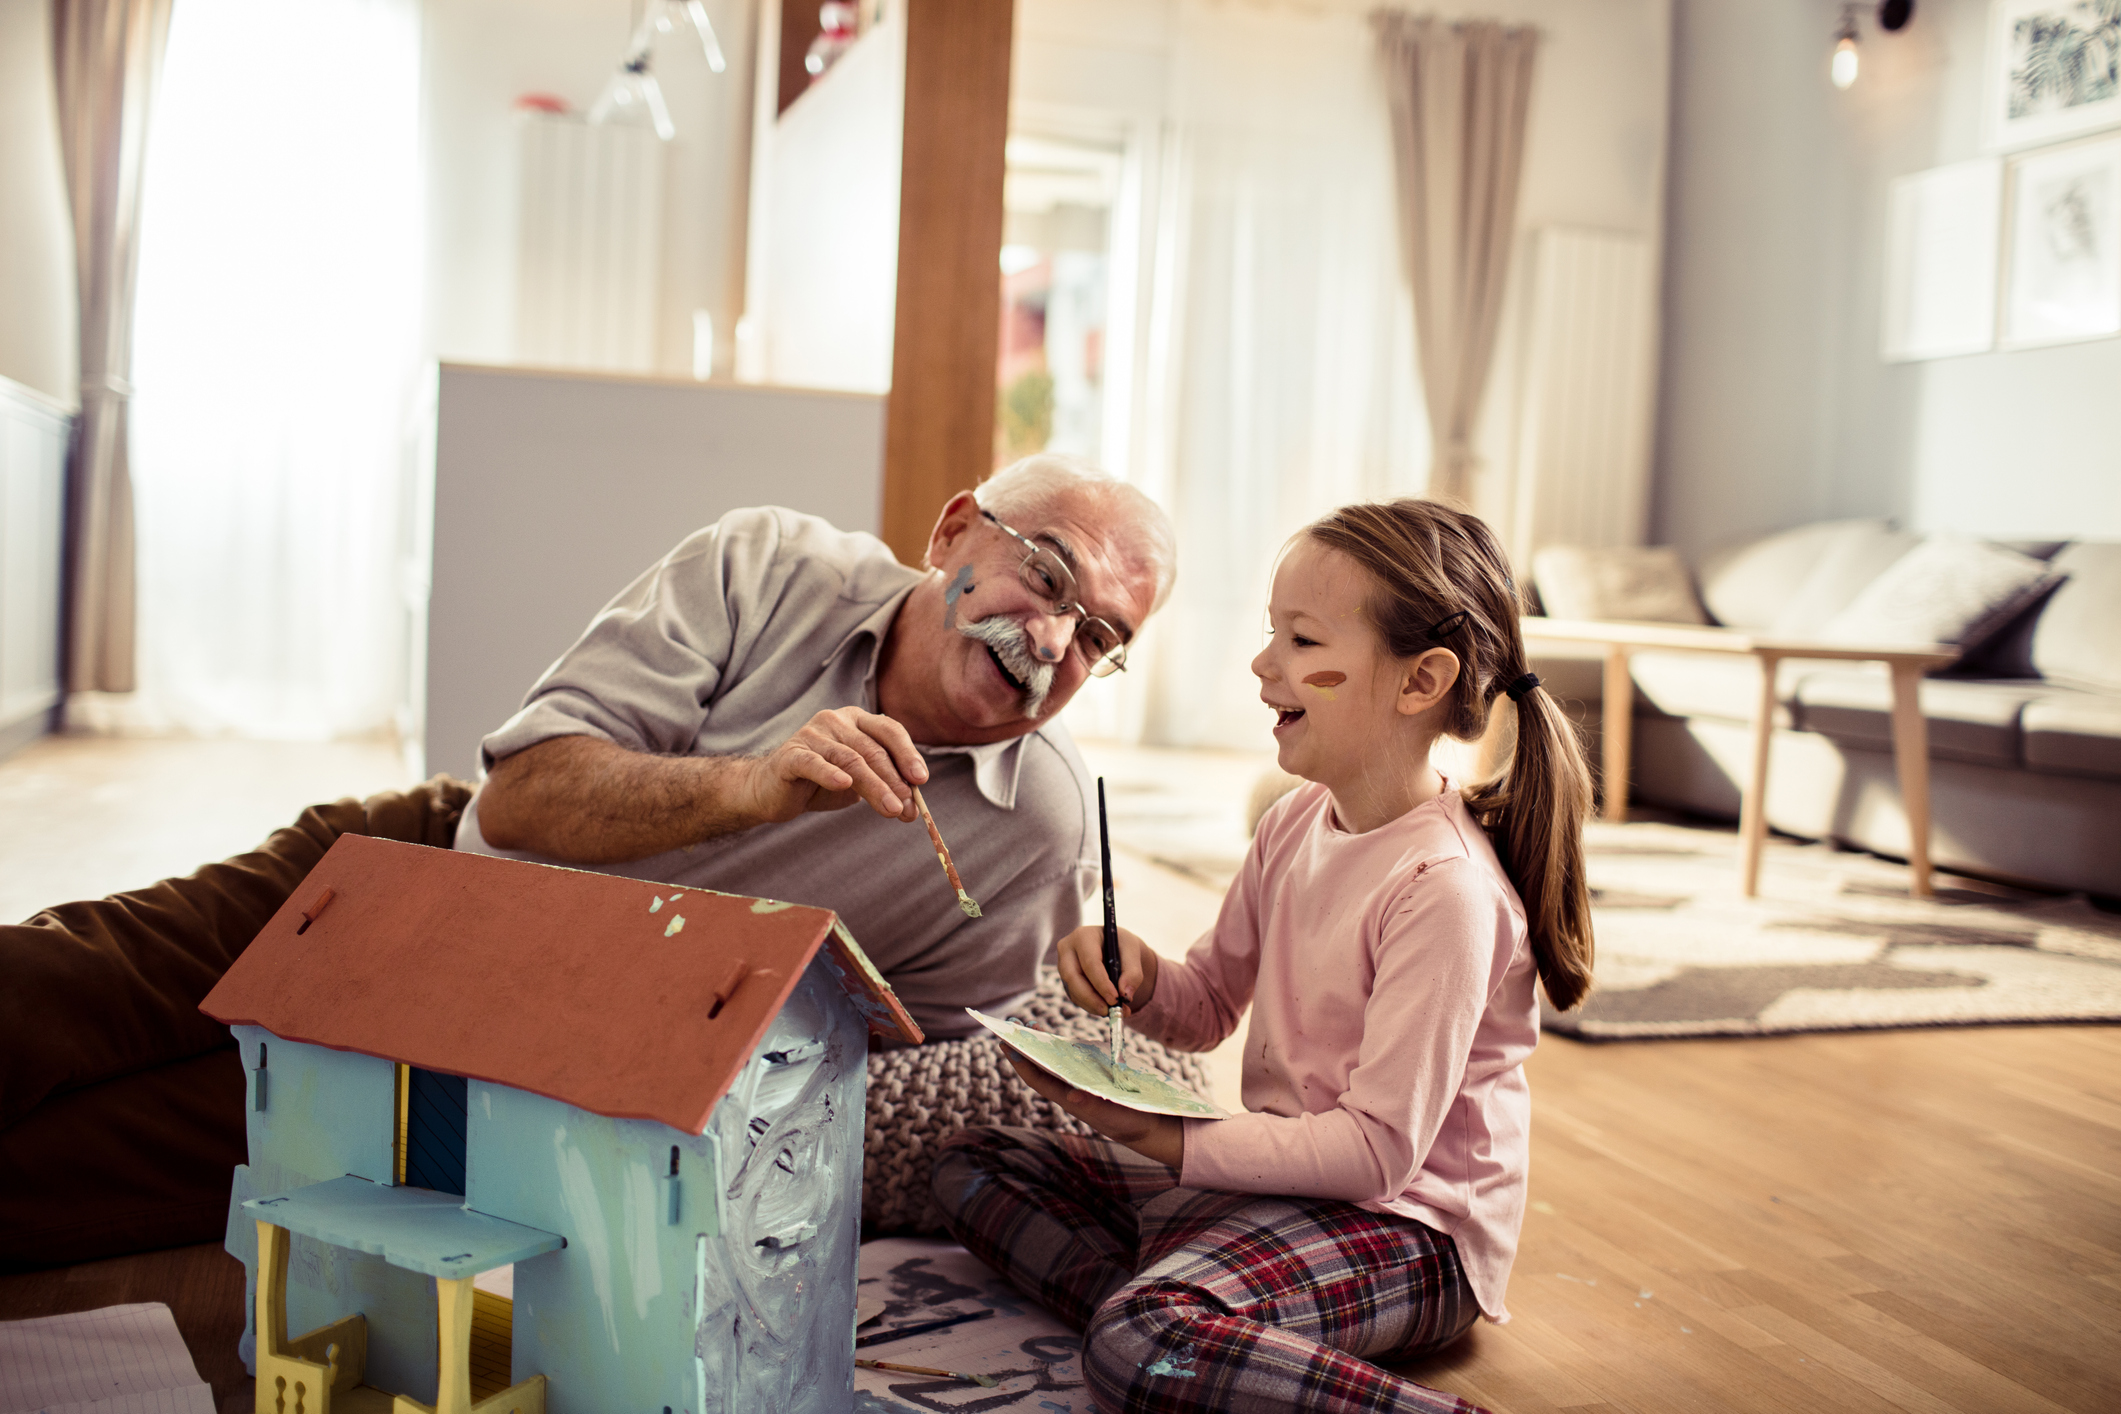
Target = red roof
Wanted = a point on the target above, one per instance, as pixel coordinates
(628, 999)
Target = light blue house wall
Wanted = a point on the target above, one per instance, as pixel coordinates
(327, 1114)
(768, 1204)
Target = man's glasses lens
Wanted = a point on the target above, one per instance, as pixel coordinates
(1047, 575)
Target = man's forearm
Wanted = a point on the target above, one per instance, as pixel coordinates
(584, 800)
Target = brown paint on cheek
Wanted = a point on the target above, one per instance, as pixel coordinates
(1323, 683)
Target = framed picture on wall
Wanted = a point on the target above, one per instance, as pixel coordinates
(2054, 70)
(2062, 270)
(1944, 228)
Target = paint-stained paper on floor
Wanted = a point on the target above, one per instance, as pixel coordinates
(1037, 1359)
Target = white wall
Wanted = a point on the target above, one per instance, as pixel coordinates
(1776, 408)
(38, 345)
(481, 56)
(552, 491)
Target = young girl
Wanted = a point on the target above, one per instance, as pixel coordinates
(1385, 930)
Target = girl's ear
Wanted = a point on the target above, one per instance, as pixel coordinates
(1427, 680)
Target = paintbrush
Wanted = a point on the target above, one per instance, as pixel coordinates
(1113, 965)
(983, 1381)
(890, 1333)
(942, 851)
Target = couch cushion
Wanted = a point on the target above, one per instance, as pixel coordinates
(1643, 582)
(1970, 719)
(1748, 585)
(1950, 589)
(2074, 733)
(2078, 638)
(1722, 685)
(127, 1165)
(1851, 563)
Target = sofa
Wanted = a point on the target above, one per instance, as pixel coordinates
(2024, 728)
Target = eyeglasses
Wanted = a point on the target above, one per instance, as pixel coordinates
(1048, 577)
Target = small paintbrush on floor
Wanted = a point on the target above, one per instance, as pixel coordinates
(983, 1381)
(965, 901)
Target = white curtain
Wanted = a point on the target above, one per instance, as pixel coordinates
(276, 365)
(1282, 365)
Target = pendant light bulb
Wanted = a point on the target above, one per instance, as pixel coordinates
(1843, 68)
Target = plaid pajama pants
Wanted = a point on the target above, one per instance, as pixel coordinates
(1192, 1300)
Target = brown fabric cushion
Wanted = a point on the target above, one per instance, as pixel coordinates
(104, 991)
(131, 1164)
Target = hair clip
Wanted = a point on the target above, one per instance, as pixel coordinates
(1449, 623)
(1517, 690)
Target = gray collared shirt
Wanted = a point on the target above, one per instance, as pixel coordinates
(726, 647)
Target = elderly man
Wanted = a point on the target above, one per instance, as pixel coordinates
(717, 719)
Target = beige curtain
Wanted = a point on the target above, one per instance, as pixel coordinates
(105, 54)
(1459, 93)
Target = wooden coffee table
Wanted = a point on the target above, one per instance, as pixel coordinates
(1910, 733)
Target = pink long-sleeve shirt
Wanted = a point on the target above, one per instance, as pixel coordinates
(1391, 985)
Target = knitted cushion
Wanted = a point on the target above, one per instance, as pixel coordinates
(921, 1095)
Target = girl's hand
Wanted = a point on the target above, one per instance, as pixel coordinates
(1158, 1137)
(1082, 969)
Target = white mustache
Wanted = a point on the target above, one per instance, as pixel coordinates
(1012, 645)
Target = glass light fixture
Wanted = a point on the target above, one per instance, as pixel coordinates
(635, 83)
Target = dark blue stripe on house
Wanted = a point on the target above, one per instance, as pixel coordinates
(435, 1120)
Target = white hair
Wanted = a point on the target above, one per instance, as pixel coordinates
(1037, 487)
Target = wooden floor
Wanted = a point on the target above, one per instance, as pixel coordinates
(1918, 1220)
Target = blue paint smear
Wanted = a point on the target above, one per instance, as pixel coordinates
(1165, 1367)
(961, 585)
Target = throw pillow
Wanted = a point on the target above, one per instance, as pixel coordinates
(1950, 589)
(1616, 582)
(1851, 562)
(1747, 586)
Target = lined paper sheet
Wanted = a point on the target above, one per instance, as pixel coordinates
(119, 1360)
(191, 1399)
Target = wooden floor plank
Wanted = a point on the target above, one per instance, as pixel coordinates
(1921, 1220)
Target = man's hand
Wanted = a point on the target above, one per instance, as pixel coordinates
(586, 801)
(1158, 1137)
(839, 757)
(1082, 969)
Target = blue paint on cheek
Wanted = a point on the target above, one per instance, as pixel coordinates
(960, 586)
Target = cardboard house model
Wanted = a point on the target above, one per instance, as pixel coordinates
(647, 1100)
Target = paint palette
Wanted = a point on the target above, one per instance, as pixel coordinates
(1090, 1068)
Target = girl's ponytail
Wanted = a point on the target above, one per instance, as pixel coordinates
(1534, 811)
(1443, 581)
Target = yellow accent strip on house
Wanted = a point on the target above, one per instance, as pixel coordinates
(492, 1342)
(404, 1120)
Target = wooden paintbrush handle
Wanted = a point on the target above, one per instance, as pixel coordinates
(942, 851)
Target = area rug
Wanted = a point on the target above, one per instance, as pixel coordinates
(1034, 1360)
(1833, 943)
